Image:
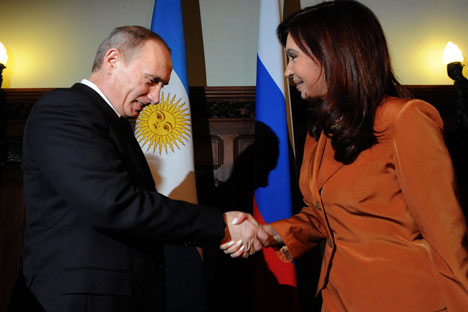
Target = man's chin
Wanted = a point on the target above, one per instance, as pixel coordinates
(135, 113)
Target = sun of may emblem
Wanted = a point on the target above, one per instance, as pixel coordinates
(163, 125)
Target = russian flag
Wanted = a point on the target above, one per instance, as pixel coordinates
(273, 202)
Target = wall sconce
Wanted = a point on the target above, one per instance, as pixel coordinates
(3, 60)
(456, 70)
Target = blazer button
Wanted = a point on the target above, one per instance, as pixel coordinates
(317, 205)
(329, 242)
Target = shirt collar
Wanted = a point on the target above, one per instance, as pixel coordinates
(95, 88)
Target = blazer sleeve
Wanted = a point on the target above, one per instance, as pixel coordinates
(427, 179)
(301, 232)
(71, 147)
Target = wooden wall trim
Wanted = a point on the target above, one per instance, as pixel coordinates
(432, 89)
(221, 93)
(24, 94)
(203, 99)
(238, 93)
(443, 97)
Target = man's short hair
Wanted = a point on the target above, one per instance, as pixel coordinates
(128, 40)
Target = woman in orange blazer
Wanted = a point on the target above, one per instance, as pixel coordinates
(377, 179)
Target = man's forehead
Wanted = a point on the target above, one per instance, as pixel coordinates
(157, 45)
(158, 50)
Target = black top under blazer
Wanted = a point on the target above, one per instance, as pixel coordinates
(95, 223)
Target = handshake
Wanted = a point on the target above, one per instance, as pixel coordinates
(244, 236)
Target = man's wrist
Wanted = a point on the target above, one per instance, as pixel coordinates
(227, 234)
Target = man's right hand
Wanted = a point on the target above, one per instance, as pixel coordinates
(241, 238)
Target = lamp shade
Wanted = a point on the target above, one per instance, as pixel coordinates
(3, 54)
(452, 53)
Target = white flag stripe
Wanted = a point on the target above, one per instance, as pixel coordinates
(171, 169)
(269, 48)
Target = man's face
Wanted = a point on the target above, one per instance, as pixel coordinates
(138, 81)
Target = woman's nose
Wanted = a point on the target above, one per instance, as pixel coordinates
(288, 71)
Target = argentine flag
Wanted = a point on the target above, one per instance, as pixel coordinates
(164, 131)
(169, 147)
(273, 201)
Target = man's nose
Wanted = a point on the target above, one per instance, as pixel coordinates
(154, 93)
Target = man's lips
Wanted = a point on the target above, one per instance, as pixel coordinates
(142, 105)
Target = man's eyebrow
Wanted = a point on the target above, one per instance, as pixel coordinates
(156, 79)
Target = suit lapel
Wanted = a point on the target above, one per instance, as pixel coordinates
(132, 151)
(121, 133)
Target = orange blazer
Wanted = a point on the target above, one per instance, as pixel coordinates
(396, 236)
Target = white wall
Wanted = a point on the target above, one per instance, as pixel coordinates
(52, 43)
(417, 32)
(230, 40)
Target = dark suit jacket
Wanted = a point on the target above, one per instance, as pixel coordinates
(95, 222)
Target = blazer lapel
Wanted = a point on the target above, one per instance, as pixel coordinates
(320, 148)
(326, 165)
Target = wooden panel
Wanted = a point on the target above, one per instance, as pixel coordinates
(444, 98)
(231, 132)
(11, 229)
(242, 142)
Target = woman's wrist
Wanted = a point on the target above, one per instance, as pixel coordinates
(273, 237)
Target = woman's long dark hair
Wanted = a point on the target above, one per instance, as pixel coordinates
(346, 38)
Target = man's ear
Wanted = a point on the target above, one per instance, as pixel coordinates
(111, 59)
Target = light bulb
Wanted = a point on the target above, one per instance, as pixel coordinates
(452, 53)
(3, 54)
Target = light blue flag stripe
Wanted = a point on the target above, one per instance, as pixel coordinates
(167, 22)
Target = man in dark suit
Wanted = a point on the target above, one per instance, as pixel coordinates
(95, 222)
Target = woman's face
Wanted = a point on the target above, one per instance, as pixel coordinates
(306, 73)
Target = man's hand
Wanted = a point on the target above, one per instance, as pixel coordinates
(241, 235)
(247, 228)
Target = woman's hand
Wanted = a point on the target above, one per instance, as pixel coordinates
(268, 236)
